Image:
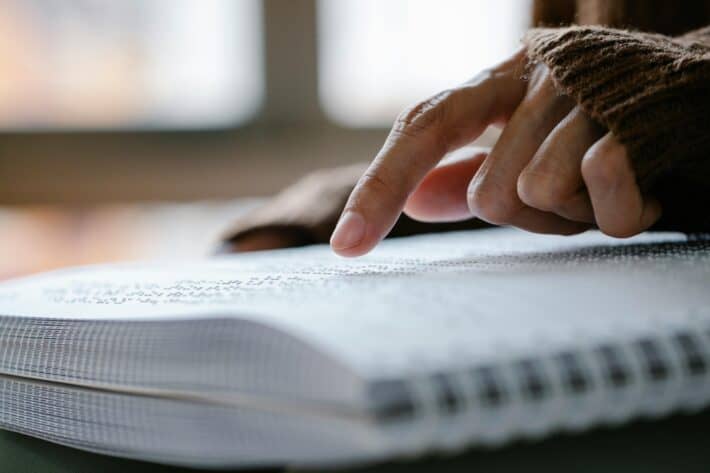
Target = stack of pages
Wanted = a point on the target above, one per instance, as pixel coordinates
(298, 357)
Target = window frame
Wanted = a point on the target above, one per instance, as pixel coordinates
(106, 165)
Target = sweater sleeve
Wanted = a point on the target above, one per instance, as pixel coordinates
(653, 93)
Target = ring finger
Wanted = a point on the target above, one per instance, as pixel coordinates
(552, 180)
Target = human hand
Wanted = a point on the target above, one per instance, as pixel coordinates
(306, 212)
(553, 170)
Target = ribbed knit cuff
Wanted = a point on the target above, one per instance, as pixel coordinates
(651, 91)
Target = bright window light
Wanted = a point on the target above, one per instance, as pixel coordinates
(378, 56)
(106, 64)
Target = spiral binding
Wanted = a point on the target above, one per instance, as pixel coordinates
(647, 367)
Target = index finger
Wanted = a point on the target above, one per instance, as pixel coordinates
(420, 137)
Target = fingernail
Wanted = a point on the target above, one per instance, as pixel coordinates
(349, 231)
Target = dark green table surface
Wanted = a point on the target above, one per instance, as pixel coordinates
(680, 444)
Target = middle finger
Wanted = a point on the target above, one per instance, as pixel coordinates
(492, 194)
(552, 180)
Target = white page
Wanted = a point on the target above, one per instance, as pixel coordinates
(414, 305)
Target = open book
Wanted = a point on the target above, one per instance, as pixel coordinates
(299, 357)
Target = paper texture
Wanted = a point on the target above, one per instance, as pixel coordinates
(415, 305)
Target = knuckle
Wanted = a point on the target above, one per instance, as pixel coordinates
(492, 75)
(542, 190)
(423, 116)
(492, 205)
(597, 170)
(484, 75)
(541, 87)
(603, 164)
(381, 187)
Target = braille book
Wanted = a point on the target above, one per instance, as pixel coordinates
(299, 357)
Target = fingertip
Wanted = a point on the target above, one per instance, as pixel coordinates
(349, 232)
(353, 252)
(605, 164)
(353, 236)
(360, 249)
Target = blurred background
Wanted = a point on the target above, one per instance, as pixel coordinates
(113, 110)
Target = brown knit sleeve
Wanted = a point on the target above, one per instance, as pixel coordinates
(699, 38)
(653, 93)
